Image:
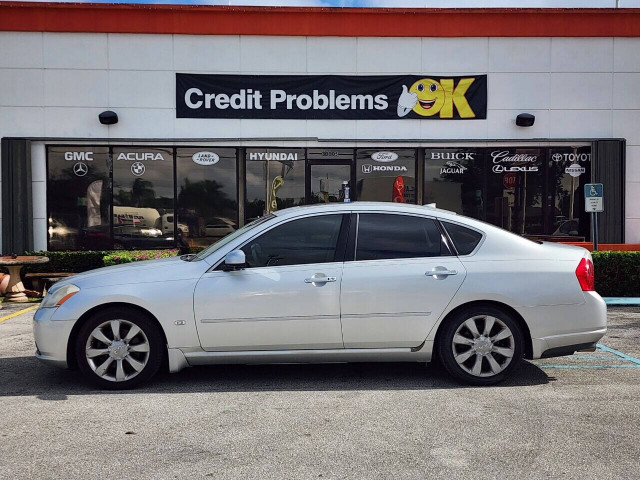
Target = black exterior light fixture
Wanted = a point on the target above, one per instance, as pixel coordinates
(525, 120)
(108, 117)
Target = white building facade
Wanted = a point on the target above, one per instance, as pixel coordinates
(204, 177)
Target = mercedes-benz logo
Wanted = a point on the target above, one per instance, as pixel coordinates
(366, 168)
(556, 157)
(137, 168)
(80, 169)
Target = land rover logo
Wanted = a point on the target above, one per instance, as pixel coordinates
(575, 170)
(205, 158)
(384, 157)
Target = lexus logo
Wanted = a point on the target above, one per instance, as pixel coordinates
(137, 169)
(366, 168)
(80, 169)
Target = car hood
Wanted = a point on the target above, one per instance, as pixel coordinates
(164, 269)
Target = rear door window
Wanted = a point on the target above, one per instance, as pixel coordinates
(464, 239)
(385, 236)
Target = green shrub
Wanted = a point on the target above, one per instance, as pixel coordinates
(128, 256)
(74, 262)
(81, 261)
(617, 273)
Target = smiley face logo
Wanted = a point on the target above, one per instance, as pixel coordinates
(430, 96)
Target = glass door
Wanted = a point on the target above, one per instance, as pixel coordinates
(329, 175)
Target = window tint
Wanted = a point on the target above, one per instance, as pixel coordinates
(383, 236)
(308, 240)
(464, 239)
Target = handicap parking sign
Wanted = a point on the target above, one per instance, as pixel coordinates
(593, 197)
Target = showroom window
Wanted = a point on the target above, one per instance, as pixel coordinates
(207, 194)
(384, 236)
(515, 189)
(298, 242)
(386, 175)
(454, 180)
(78, 198)
(275, 179)
(569, 169)
(143, 198)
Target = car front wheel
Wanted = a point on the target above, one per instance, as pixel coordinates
(119, 348)
(480, 345)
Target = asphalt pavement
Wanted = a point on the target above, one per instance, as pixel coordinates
(570, 417)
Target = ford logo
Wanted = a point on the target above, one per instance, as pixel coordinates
(384, 157)
(205, 158)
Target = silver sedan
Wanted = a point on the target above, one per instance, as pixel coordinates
(374, 282)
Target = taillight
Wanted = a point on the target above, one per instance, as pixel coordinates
(585, 275)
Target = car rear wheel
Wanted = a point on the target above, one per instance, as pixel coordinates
(119, 348)
(480, 345)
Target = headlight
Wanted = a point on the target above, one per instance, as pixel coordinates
(59, 296)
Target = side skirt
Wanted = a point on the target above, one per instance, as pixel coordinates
(344, 355)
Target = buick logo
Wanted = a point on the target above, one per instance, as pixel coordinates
(137, 169)
(80, 169)
(366, 168)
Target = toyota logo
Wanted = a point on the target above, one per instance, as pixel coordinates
(80, 169)
(556, 157)
(137, 168)
(366, 168)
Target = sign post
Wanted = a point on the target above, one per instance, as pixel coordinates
(594, 203)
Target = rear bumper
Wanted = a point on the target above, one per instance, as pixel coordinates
(566, 326)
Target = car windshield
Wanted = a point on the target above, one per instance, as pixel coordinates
(224, 240)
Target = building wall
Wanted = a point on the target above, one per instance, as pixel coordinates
(55, 84)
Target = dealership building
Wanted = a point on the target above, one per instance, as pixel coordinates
(155, 126)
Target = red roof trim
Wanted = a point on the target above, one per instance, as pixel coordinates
(345, 22)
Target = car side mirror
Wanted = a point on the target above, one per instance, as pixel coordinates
(235, 260)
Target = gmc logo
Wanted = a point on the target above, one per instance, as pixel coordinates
(78, 156)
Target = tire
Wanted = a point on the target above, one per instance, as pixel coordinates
(473, 357)
(119, 363)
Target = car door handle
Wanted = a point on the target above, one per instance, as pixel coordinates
(441, 272)
(320, 279)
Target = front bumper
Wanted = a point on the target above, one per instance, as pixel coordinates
(51, 337)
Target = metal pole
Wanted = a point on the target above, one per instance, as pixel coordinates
(594, 222)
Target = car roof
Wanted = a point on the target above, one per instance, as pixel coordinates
(363, 207)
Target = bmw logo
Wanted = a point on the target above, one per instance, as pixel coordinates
(137, 168)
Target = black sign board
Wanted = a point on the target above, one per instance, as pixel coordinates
(340, 97)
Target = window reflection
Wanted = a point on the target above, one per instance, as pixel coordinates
(78, 198)
(569, 171)
(143, 194)
(275, 180)
(453, 180)
(386, 175)
(207, 203)
(328, 182)
(515, 183)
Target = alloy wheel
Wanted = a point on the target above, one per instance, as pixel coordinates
(117, 350)
(483, 346)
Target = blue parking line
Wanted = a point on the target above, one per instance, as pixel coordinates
(590, 366)
(619, 356)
